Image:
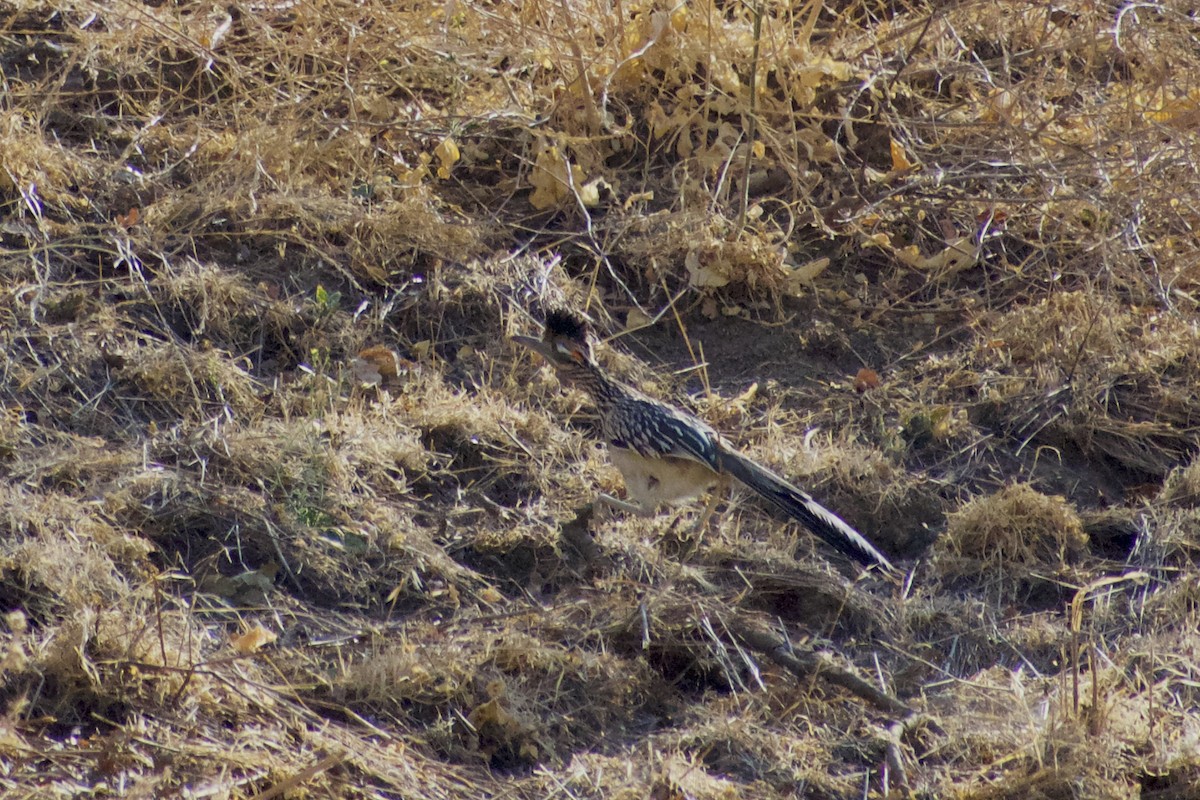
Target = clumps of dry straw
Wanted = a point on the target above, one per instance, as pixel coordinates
(1015, 532)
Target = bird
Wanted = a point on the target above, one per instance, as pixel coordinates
(667, 455)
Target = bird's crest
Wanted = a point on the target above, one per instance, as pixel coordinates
(565, 325)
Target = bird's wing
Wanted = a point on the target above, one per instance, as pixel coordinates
(655, 430)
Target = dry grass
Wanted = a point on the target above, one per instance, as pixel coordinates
(285, 514)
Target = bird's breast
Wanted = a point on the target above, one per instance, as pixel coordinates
(652, 482)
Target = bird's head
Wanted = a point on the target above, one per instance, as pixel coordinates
(564, 341)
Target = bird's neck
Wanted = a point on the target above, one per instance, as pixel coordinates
(589, 377)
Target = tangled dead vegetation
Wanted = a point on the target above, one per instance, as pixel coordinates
(284, 513)
(1016, 530)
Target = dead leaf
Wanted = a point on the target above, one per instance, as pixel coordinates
(743, 400)
(959, 254)
(375, 365)
(636, 319)
(589, 193)
(701, 273)
(639, 197)
(423, 349)
(385, 360)
(900, 162)
(865, 380)
(252, 640)
(129, 219)
(447, 154)
(550, 180)
(804, 274)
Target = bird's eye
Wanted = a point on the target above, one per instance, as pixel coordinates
(571, 350)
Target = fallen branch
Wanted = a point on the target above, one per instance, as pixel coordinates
(804, 665)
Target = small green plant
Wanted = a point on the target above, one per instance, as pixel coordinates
(326, 302)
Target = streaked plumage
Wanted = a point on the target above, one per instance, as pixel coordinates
(667, 455)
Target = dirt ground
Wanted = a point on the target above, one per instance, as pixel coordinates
(286, 513)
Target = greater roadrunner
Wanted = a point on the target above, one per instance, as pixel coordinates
(667, 455)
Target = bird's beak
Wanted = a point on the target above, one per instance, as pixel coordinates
(536, 345)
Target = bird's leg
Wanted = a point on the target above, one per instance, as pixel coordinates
(623, 505)
(719, 492)
(696, 531)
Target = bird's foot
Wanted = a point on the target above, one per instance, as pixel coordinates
(682, 541)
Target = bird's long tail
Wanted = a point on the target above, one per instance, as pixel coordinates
(800, 506)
